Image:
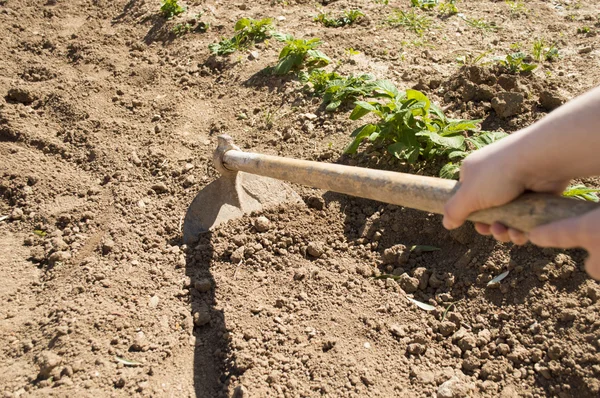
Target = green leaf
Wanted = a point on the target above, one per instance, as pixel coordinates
(424, 248)
(421, 305)
(457, 126)
(457, 155)
(40, 233)
(582, 192)
(359, 134)
(397, 149)
(333, 105)
(282, 37)
(287, 63)
(454, 142)
(362, 108)
(450, 171)
(242, 23)
(420, 97)
(485, 138)
(386, 87)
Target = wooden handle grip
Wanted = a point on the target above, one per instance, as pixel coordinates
(418, 192)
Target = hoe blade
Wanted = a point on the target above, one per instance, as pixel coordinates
(232, 196)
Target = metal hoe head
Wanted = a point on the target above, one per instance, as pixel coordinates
(231, 196)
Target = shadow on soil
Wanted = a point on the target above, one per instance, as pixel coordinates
(211, 348)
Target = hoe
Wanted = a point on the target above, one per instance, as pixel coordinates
(249, 182)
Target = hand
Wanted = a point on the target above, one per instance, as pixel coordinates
(582, 231)
(493, 176)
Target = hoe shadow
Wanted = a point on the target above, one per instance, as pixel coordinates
(211, 347)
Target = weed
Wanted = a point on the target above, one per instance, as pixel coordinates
(181, 29)
(542, 53)
(584, 30)
(247, 30)
(480, 24)
(424, 4)
(470, 59)
(299, 53)
(318, 79)
(517, 7)
(582, 192)
(384, 2)
(409, 124)
(515, 63)
(448, 8)
(170, 9)
(348, 18)
(410, 20)
(345, 89)
(351, 52)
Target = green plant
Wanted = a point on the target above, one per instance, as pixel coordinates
(409, 124)
(424, 4)
(170, 9)
(470, 59)
(410, 20)
(345, 89)
(517, 7)
(480, 24)
(349, 17)
(181, 29)
(384, 2)
(318, 79)
(515, 63)
(582, 192)
(247, 31)
(542, 53)
(298, 53)
(584, 30)
(476, 141)
(448, 8)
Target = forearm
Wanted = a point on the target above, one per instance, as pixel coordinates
(565, 144)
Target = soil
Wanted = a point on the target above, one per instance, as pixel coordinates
(107, 125)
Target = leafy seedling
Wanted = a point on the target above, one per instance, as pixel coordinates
(412, 127)
(299, 53)
(318, 79)
(421, 305)
(479, 23)
(127, 362)
(477, 141)
(582, 192)
(470, 59)
(346, 89)
(410, 20)
(170, 9)
(515, 63)
(424, 4)
(349, 17)
(584, 30)
(499, 278)
(542, 53)
(448, 310)
(247, 31)
(517, 7)
(448, 8)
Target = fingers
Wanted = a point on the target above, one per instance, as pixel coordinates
(500, 232)
(564, 234)
(458, 208)
(483, 229)
(517, 237)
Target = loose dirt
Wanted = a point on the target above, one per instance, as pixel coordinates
(107, 125)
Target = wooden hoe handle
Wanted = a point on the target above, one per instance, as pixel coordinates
(418, 192)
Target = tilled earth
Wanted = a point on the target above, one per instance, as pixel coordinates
(107, 125)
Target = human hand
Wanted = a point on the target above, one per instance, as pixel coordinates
(493, 176)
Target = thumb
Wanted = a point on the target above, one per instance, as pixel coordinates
(458, 208)
(563, 234)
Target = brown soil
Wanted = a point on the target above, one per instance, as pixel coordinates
(107, 124)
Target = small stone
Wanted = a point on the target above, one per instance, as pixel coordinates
(407, 283)
(240, 392)
(262, 224)
(300, 274)
(585, 50)
(316, 202)
(397, 254)
(203, 285)
(447, 328)
(21, 95)
(140, 343)
(189, 181)
(416, 349)
(59, 257)
(454, 388)
(157, 128)
(253, 55)
(238, 255)
(153, 302)
(508, 104)
(187, 167)
(47, 361)
(315, 249)
(160, 188)
(107, 246)
(16, 214)
(422, 274)
(201, 317)
(398, 330)
(551, 100)
(503, 349)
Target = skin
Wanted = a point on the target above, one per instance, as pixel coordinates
(543, 157)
